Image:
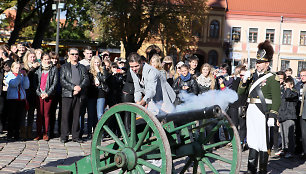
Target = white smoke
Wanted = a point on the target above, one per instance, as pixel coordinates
(207, 99)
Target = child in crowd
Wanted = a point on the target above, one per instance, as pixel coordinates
(287, 115)
(185, 82)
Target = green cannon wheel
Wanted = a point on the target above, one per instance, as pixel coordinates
(144, 147)
(213, 156)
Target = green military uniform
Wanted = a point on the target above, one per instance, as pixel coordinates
(264, 100)
(270, 89)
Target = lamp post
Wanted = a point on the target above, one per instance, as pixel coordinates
(230, 47)
(279, 41)
(58, 6)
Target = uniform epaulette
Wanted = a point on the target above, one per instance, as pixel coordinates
(274, 112)
(276, 76)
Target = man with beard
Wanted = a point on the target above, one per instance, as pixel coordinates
(264, 100)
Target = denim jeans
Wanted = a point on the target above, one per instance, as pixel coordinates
(100, 107)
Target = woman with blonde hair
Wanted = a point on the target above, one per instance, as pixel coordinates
(206, 80)
(30, 66)
(96, 92)
(156, 63)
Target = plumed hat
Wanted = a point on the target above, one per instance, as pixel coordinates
(265, 52)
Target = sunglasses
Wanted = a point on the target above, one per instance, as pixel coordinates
(74, 54)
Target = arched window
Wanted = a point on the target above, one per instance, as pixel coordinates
(213, 57)
(214, 29)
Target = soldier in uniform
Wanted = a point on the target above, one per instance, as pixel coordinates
(263, 90)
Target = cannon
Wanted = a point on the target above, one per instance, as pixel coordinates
(155, 142)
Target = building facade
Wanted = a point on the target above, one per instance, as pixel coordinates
(283, 23)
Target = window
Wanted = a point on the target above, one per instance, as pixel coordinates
(270, 35)
(253, 32)
(303, 38)
(236, 32)
(214, 29)
(285, 64)
(287, 34)
(213, 57)
(301, 65)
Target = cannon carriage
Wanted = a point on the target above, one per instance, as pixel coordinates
(155, 142)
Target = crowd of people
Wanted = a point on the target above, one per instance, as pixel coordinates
(86, 82)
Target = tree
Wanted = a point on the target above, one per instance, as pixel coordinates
(43, 24)
(6, 4)
(27, 14)
(78, 23)
(132, 21)
(34, 18)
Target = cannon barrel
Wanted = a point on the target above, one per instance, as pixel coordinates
(188, 116)
(191, 115)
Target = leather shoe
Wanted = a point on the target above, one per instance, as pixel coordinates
(37, 138)
(89, 136)
(78, 140)
(63, 140)
(46, 138)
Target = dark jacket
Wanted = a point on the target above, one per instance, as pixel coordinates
(116, 82)
(129, 84)
(287, 109)
(66, 80)
(33, 82)
(52, 81)
(191, 83)
(1, 80)
(98, 91)
(242, 99)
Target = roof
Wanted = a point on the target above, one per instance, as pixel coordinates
(217, 3)
(294, 8)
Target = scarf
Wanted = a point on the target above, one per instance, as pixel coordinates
(46, 67)
(204, 81)
(186, 78)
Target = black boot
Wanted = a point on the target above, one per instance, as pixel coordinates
(252, 161)
(263, 162)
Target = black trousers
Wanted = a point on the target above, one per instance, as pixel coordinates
(303, 130)
(57, 100)
(70, 108)
(274, 137)
(239, 122)
(15, 116)
(126, 97)
(3, 109)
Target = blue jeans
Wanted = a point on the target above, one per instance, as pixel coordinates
(100, 107)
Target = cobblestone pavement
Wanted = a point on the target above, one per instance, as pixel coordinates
(25, 156)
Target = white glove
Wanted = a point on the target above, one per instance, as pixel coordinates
(270, 122)
(246, 75)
